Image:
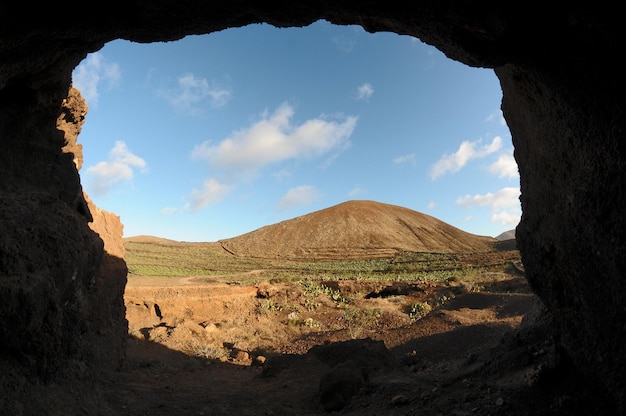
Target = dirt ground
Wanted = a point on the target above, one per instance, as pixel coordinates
(202, 348)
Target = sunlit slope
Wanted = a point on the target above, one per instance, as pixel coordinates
(356, 229)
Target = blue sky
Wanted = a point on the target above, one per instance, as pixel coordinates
(213, 136)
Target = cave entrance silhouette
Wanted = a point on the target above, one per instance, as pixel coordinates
(127, 159)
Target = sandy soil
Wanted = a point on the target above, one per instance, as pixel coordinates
(202, 348)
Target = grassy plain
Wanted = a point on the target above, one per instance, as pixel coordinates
(169, 259)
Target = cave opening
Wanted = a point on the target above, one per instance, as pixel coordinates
(330, 134)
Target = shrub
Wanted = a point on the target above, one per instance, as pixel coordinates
(418, 310)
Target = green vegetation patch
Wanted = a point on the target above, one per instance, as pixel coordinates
(209, 259)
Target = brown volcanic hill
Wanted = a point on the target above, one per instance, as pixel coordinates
(507, 235)
(150, 239)
(356, 229)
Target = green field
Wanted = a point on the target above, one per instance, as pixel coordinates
(164, 260)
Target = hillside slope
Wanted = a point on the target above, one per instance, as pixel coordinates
(507, 235)
(356, 229)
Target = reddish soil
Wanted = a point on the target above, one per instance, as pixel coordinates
(474, 354)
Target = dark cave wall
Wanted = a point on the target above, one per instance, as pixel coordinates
(61, 283)
(563, 98)
(48, 256)
(569, 144)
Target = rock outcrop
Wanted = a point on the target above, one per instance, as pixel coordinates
(107, 320)
(563, 99)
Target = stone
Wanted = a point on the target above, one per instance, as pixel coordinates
(259, 360)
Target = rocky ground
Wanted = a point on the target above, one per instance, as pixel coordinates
(202, 348)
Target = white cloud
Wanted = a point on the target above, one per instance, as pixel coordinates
(466, 152)
(410, 158)
(504, 198)
(298, 196)
(118, 168)
(92, 71)
(505, 166)
(504, 204)
(192, 93)
(432, 205)
(212, 192)
(365, 91)
(275, 138)
(510, 218)
(357, 190)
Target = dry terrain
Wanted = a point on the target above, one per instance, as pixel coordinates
(275, 349)
(226, 329)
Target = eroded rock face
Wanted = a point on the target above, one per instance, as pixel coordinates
(107, 321)
(563, 98)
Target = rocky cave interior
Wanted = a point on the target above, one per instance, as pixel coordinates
(62, 273)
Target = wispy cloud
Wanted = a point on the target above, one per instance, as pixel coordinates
(275, 138)
(119, 168)
(169, 210)
(497, 116)
(410, 158)
(344, 43)
(211, 192)
(505, 166)
(356, 191)
(364, 92)
(282, 174)
(432, 205)
(466, 152)
(192, 94)
(93, 71)
(297, 197)
(504, 204)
